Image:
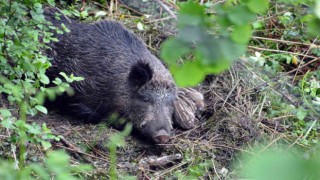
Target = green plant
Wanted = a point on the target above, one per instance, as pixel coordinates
(277, 163)
(56, 166)
(212, 52)
(24, 37)
(115, 141)
(198, 169)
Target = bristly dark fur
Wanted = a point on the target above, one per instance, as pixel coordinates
(121, 75)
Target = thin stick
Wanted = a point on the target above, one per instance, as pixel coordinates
(131, 9)
(280, 51)
(165, 7)
(285, 41)
(303, 59)
(229, 94)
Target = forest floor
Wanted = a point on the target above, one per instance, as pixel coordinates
(229, 123)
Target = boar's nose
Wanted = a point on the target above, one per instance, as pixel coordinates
(161, 137)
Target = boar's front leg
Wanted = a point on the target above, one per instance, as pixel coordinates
(187, 105)
(85, 113)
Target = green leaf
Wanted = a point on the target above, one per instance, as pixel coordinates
(57, 161)
(65, 28)
(75, 78)
(5, 112)
(57, 81)
(258, 6)
(41, 109)
(40, 171)
(190, 34)
(241, 34)
(172, 49)
(301, 114)
(46, 145)
(51, 2)
(240, 15)
(189, 74)
(216, 54)
(7, 123)
(44, 78)
(84, 14)
(317, 9)
(65, 76)
(257, 25)
(277, 165)
(314, 26)
(191, 13)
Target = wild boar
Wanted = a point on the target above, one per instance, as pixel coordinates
(120, 76)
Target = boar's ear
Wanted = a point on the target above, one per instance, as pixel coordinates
(140, 74)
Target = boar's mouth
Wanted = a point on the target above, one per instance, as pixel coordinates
(161, 137)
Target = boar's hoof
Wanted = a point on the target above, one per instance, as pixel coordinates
(187, 105)
(161, 137)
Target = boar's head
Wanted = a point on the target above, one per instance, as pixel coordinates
(150, 105)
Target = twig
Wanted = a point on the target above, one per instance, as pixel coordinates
(111, 8)
(230, 147)
(88, 144)
(229, 104)
(171, 169)
(270, 144)
(83, 5)
(303, 59)
(131, 8)
(309, 129)
(159, 161)
(186, 132)
(280, 51)
(285, 41)
(75, 149)
(165, 7)
(215, 170)
(160, 19)
(80, 152)
(281, 117)
(229, 94)
(100, 5)
(295, 142)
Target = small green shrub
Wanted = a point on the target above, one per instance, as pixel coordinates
(24, 38)
(56, 166)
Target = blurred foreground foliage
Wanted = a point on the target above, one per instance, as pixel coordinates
(212, 36)
(281, 163)
(212, 40)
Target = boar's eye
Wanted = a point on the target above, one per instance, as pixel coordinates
(143, 124)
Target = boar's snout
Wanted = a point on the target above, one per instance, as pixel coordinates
(161, 137)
